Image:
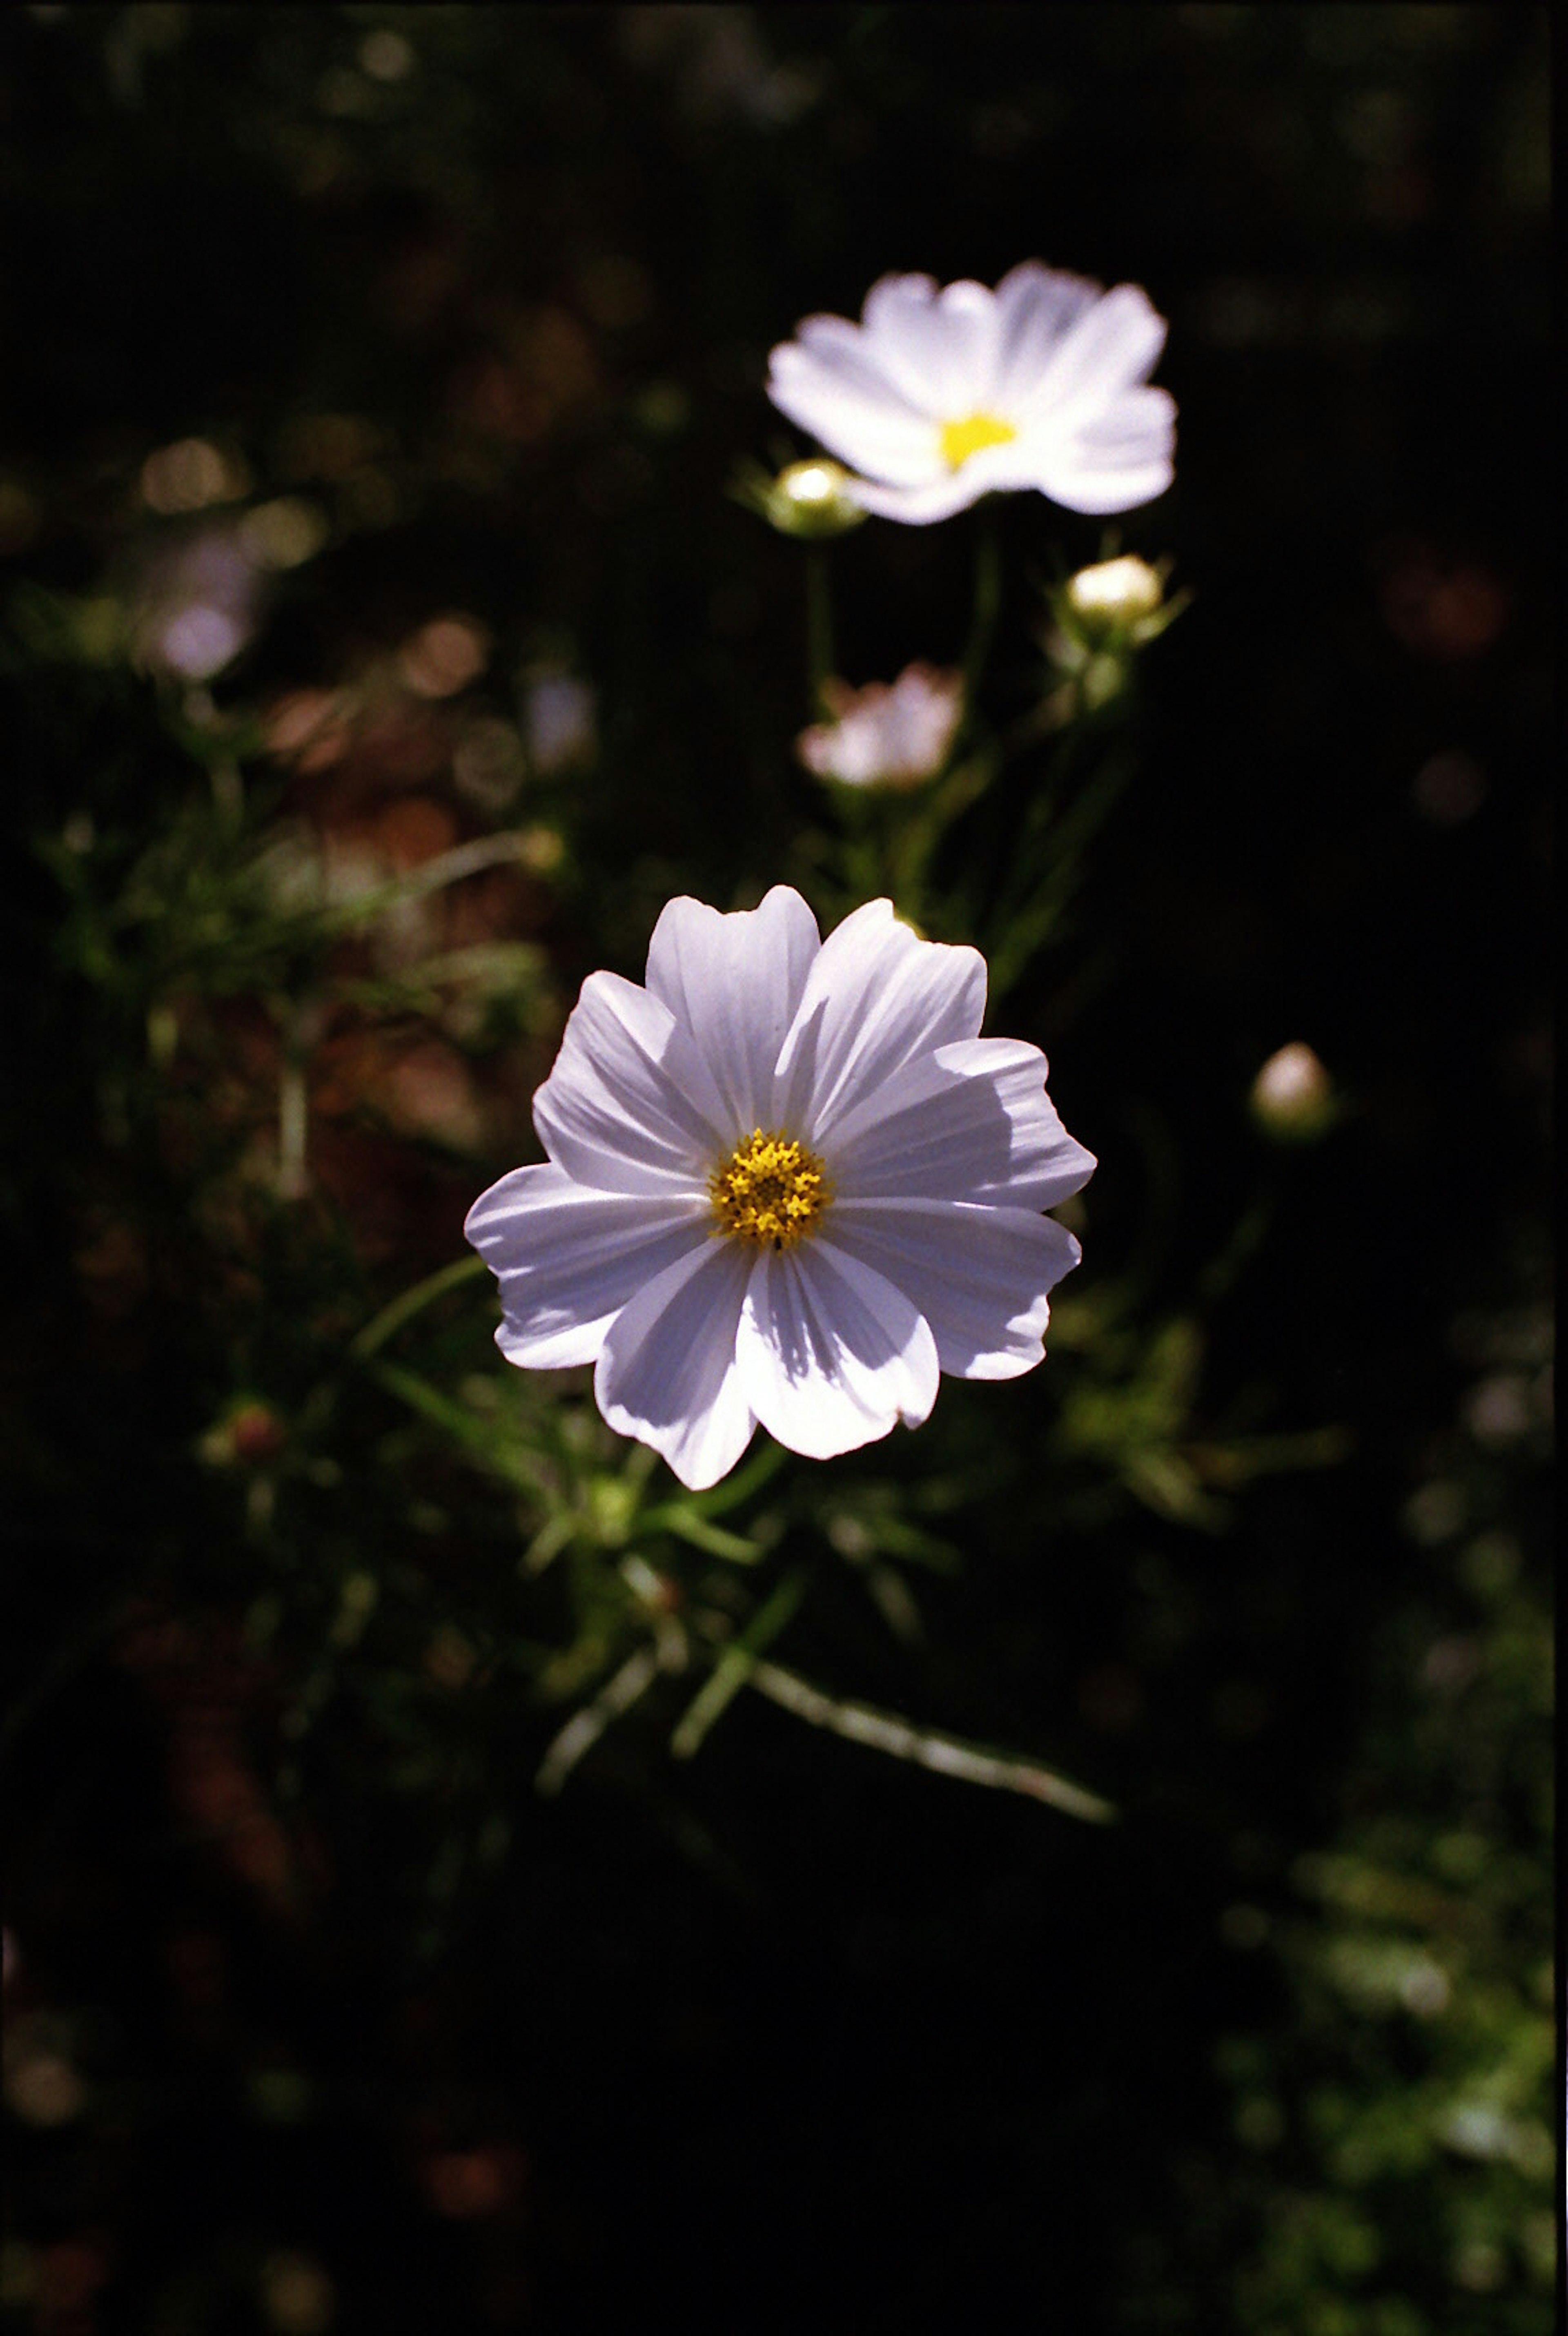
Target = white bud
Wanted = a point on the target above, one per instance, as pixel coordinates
(1116, 592)
(1292, 1096)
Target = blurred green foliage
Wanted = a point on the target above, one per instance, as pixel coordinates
(442, 1893)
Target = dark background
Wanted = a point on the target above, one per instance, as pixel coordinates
(799, 2038)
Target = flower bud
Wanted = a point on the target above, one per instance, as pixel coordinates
(248, 1433)
(1292, 1098)
(810, 500)
(1101, 616)
(1116, 594)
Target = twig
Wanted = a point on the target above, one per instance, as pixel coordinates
(584, 1729)
(949, 1756)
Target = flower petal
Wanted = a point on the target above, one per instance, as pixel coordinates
(971, 1122)
(667, 1373)
(1036, 307)
(921, 506)
(734, 982)
(941, 347)
(876, 996)
(979, 1276)
(849, 357)
(1119, 457)
(833, 390)
(568, 1259)
(630, 1106)
(831, 1354)
(1109, 347)
(1022, 461)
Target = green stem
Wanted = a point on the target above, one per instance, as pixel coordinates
(928, 1747)
(819, 629)
(735, 1665)
(1031, 903)
(447, 868)
(392, 1318)
(987, 605)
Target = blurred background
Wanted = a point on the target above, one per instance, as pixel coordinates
(385, 646)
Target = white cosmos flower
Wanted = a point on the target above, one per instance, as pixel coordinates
(939, 396)
(788, 1182)
(886, 737)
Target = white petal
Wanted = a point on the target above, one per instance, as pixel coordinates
(831, 1354)
(1138, 426)
(734, 982)
(631, 1106)
(920, 506)
(1110, 347)
(941, 348)
(1097, 489)
(1119, 457)
(666, 1374)
(979, 1276)
(991, 469)
(849, 357)
(971, 1122)
(830, 389)
(1036, 307)
(1094, 459)
(568, 1259)
(876, 996)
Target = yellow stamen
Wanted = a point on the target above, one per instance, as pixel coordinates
(969, 434)
(770, 1191)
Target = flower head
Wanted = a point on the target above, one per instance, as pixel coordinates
(940, 395)
(788, 1182)
(886, 737)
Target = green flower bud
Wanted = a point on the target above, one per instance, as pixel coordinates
(810, 500)
(1101, 616)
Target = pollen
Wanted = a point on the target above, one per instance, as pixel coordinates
(771, 1190)
(970, 434)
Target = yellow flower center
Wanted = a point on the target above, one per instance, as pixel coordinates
(770, 1191)
(969, 435)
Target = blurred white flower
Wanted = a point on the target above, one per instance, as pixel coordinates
(939, 396)
(881, 736)
(788, 1182)
(196, 604)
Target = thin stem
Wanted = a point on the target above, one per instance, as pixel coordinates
(987, 605)
(584, 1729)
(1023, 929)
(293, 1116)
(447, 868)
(736, 1666)
(949, 1756)
(819, 629)
(392, 1318)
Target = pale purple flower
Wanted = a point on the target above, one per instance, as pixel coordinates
(939, 396)
(788, 1182)
(886, 736)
